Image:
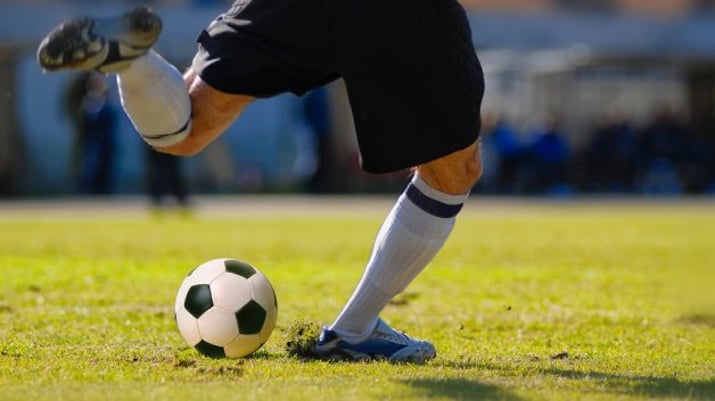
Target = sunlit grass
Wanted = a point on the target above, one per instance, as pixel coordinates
(526, 302)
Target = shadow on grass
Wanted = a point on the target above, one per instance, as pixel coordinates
(650, 386)
(460, 389)
(265, 355)
(698, 319)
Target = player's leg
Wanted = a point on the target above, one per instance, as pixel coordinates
(412, 234)
(416, 98)
(173, 113)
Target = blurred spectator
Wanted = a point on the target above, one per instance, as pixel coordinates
(548, 161)
(504, 153)
(661, 178)
(610, 157)
(663, 147)
(95, 122)
(316, 114)
(697, 166)
(165, 180)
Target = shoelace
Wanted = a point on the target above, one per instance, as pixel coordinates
(394, 335)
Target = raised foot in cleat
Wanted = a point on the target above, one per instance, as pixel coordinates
(104, 44)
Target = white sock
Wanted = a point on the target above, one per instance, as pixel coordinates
(408, 240)
(155, 98)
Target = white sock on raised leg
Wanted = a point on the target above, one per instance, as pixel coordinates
(155, 98)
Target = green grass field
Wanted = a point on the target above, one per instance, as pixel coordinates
(528, 301)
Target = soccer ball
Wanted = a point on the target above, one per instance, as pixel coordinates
(226, 308)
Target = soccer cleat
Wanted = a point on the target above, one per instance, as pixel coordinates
(385, 343)
(104, 44)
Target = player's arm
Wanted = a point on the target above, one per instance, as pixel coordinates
(212, 112)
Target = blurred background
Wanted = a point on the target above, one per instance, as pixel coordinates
(582, 97)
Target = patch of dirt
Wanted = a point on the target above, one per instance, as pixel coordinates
(301, 338)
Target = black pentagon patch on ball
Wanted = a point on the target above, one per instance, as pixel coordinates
(198, 300)
(237, 267)
(210, 350)
(251, 318)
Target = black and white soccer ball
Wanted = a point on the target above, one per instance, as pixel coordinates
(226, 308)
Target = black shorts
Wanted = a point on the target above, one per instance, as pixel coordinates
(413, 78)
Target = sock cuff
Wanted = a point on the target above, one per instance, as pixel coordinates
(432, 201)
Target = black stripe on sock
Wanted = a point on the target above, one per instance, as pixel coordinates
(161, 136)
(431, 206)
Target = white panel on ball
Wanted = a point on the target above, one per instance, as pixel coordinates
(269, 324)
(243, 345)
(218, 326)
(181, 296)
(230, 291)
(188, 326)
(206, 272)
(262, 291)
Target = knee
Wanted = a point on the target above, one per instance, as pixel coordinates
(455, 173)
(465, 177)
(474, 172)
